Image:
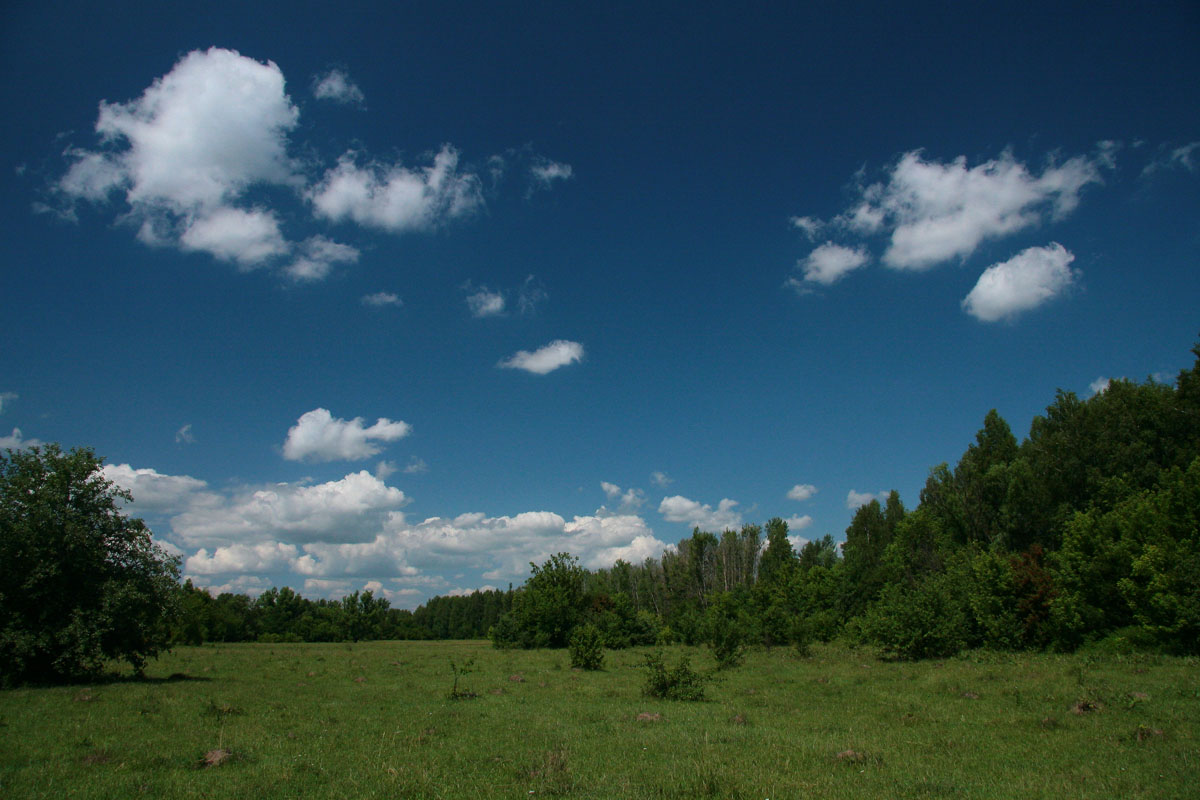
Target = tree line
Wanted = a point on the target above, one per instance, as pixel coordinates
(1087, 530)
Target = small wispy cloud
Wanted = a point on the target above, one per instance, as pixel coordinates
(184, 435)
(336, 85)
(546, 359)
(381, 299)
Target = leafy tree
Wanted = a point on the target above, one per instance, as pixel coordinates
(80, 583)
(547, 609)
(779, 559)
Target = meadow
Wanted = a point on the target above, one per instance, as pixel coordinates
(375, 719)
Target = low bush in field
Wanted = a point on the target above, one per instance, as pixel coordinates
(587, 647)
(680, 683)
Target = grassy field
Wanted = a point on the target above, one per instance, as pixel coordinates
(375, 720)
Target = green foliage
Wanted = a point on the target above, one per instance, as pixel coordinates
(678, 683)
(586, 647)
(929, 620)
(547, 609)
(80, 583)
(729, 627)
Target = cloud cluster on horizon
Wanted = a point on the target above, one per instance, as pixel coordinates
(933, 213)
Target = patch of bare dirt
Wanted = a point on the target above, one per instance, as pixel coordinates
(971, 695)
(215, 758)
(516, 678)
(739, 719)
(98, 757)
(360, 679)
(1085, 706)
(647, 716)
(1145, 733)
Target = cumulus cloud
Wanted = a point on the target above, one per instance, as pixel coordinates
(703, 516)
(856, 499)
(798, 524)
(485, 303)
(501, 546)
(317, 258)
(233, 234)
(831, 262)
(629, 500)
(350, 509)
(381, 299)
(1026, 281)
(336, 85)
(153, 490)
(185, 152)
(940, 211)
(557, 354)
(1100, 385)
(318, 436)
(16, 441)
(396, 198)
(801, 492)
(811, 226)
(934, 212)
(237, 558)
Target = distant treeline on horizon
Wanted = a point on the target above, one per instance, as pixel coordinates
(1087, 531)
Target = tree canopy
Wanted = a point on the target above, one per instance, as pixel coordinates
(80, 583)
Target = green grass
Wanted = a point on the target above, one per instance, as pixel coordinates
(375, 720)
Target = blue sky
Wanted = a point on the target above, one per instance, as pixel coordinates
(403, 298)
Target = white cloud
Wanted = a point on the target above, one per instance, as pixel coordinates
(502, 546)
(1100, 385)
(485, 303)
(798, 524)
(395, 198)
(801, 492)
(336, 85)
(232, 234)
(557, 354)
(1026, 281)
(415, 466)
(250, 585)
(937, 211)
(17, 442)
(703, 516)
(350, 509)
(385, 469)
(184, 435)
(545, 172)
(381, 299)
(6, 398)
(237, 558)
(630, 500)
(1178, 158)
(811, 226)
(856, 499)
(185, 151)
(661, 479)
(831, 262)
(317, 257)
(156, 491)
(318, 436)
(530, 294)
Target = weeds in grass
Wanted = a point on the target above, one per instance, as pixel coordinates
(680, 683)
(466, 668)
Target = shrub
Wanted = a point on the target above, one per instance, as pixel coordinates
(586, 647)
(680, 683)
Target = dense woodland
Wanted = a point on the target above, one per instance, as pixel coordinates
(1087, 530)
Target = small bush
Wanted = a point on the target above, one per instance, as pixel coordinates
(680, 683)
(587, 647)
(459, 672)
(727, 641)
